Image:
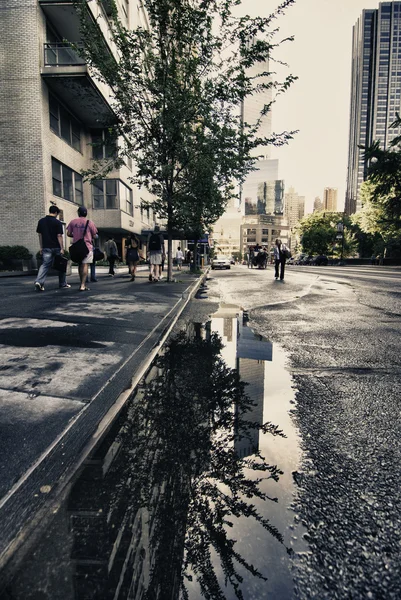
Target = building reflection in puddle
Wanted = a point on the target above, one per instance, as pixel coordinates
(177, 500)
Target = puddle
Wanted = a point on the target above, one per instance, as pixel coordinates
(189, 494)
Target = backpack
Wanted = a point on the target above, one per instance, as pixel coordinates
(155, 242)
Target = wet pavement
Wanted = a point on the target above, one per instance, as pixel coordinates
(68, 362)
(340, 329)
(257, 458)
(148, 515)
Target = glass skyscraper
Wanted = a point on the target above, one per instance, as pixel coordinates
(375, 89)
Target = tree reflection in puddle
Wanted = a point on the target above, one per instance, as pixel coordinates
(186, 431)
(154, 513)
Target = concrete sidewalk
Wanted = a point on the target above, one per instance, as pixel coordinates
(69, 361)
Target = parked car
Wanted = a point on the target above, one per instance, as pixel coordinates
(298, 258)
(321, 260)
(221, 262)
(306, 259)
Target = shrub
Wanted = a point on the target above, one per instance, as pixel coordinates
(8, 253)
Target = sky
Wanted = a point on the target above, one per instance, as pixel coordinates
(318, 103)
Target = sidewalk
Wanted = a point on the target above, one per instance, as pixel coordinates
(69, 361)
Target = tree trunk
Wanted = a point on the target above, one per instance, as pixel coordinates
(169, 256)
(169, 244)
(195, 264)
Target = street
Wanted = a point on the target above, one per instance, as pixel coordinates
(319, 355)
(340, 328)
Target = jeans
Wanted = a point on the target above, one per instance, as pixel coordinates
(281, 264)
(47, 255)
(112, 260)
(92, 266)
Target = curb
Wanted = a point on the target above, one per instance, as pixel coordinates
(27, 505)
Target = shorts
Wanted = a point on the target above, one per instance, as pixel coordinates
(155, 257)
(88, 259)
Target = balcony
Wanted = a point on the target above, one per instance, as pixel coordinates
(63, 16)
(62, 54)
(68, 76)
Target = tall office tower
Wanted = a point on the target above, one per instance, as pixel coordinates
(317, 205)
(375, 90)
(266, 170)
(270, 198)
(330, 199)
(253, 105)
(294, 206)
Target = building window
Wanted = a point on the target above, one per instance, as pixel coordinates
(105, 193)
(63, 124)
(110, 194)
(67, 183)
(104, 144)
(126, 198)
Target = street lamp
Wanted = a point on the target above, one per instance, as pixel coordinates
(340, 236)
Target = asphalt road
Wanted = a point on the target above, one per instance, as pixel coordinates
(340, 328)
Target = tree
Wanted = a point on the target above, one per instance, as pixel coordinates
(319, 231)
(381, 192)
(384, 173)
(373, 219)
(178, 88)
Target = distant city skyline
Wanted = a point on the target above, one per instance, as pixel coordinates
(318, 104)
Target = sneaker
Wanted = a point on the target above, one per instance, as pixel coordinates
(39, 287)
(93, 279)
(66, 285)
(132, 278)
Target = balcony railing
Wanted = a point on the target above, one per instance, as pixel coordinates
(62, 54)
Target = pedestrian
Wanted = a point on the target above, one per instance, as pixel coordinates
(156, 253)
(132, 256)
(280, 255)
(92, 265)
(179, 256)
(51, 242)
(111, 251)
(77, 229)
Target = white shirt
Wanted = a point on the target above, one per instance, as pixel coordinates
(277, 251)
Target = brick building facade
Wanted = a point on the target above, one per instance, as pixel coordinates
(53, 110)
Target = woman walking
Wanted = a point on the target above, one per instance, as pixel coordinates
(133, 245)
(280, 254)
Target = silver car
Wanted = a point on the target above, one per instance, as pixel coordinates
(221, 262)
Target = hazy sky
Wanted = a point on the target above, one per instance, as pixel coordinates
(318, 103)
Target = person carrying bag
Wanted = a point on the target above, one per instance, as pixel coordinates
(83, 231)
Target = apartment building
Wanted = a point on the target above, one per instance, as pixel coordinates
(295, 211)
(330, 199)
(53, 111)
(317, 204)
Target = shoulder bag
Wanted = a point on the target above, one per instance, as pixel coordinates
(79, 249)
